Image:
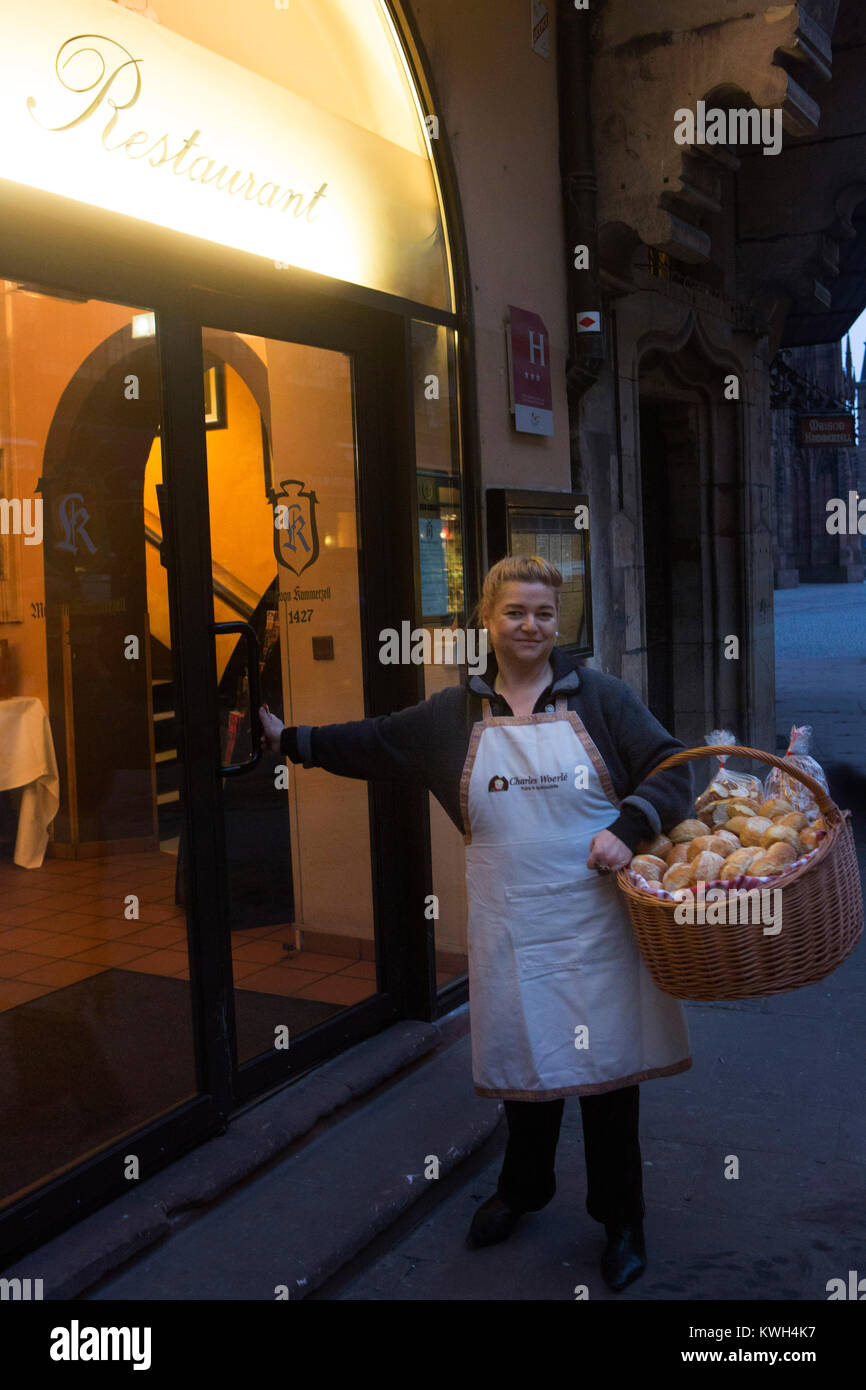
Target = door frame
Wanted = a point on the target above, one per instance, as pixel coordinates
(379, 345)
(190, 285)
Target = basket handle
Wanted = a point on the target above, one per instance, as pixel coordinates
(828, 808)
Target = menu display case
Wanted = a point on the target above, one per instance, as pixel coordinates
(554, 526)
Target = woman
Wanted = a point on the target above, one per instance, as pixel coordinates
(544, 768)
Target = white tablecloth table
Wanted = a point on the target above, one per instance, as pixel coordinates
(27, 760)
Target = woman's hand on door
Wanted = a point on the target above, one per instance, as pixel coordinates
(273, 727)
(607, 853)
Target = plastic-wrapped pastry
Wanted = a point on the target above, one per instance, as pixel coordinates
(724, 782)
(780, 783)
(715, 813)
(777, 807)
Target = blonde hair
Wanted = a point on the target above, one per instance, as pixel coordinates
(515, 569)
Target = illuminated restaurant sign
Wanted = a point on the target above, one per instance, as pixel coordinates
(106, 108)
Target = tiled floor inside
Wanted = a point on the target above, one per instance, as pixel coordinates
(65, 921)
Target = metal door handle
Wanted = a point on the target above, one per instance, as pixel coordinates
(255, 693)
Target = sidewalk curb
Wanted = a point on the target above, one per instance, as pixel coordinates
(322, 1210)
(79, 1258)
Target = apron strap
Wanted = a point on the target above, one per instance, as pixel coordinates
(486, 711)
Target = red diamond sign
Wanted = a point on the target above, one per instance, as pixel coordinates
(589, 322)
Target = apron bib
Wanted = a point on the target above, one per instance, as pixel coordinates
(560, 999)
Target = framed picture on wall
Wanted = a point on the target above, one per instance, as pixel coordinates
(554, 526)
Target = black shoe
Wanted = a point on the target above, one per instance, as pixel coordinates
(624, 1257)
(493, 1221)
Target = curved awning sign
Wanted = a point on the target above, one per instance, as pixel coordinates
(101, 106)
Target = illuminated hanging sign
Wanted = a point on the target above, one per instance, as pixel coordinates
(108, 109)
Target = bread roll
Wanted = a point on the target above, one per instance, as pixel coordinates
(706, 867)
(776, 806)
(649, 866)
(780, 834)
(753, 830)
(659, 846)
(677, 854)
(809, 838)
(738, 862)
(715, 843)
(819, 823)
(716, 812)
(729, 838)
(736, 825)
(686, 830)
(697, 845)
(677, 877)
(766, 867)
(795, 819)
(782, 853)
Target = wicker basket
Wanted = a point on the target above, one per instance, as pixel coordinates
(821, 919)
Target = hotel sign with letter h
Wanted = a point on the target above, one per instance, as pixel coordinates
(531, 392)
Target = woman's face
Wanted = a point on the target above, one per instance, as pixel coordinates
(522, 622)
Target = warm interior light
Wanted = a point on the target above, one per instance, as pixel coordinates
(144, 325)
(137, 119)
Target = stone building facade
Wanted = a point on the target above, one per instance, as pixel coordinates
(712, 258)
(802, 381)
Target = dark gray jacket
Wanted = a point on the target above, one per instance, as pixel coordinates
(427, 744)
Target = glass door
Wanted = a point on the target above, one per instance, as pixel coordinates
(194, 521)
(282, 478)
(96, 1015)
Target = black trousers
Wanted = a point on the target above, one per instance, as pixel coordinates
(614, 1190)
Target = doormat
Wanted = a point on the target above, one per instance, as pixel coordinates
(106, 1055)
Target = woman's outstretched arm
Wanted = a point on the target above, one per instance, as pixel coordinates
(389, 747)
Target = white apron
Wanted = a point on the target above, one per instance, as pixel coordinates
(560, 999)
